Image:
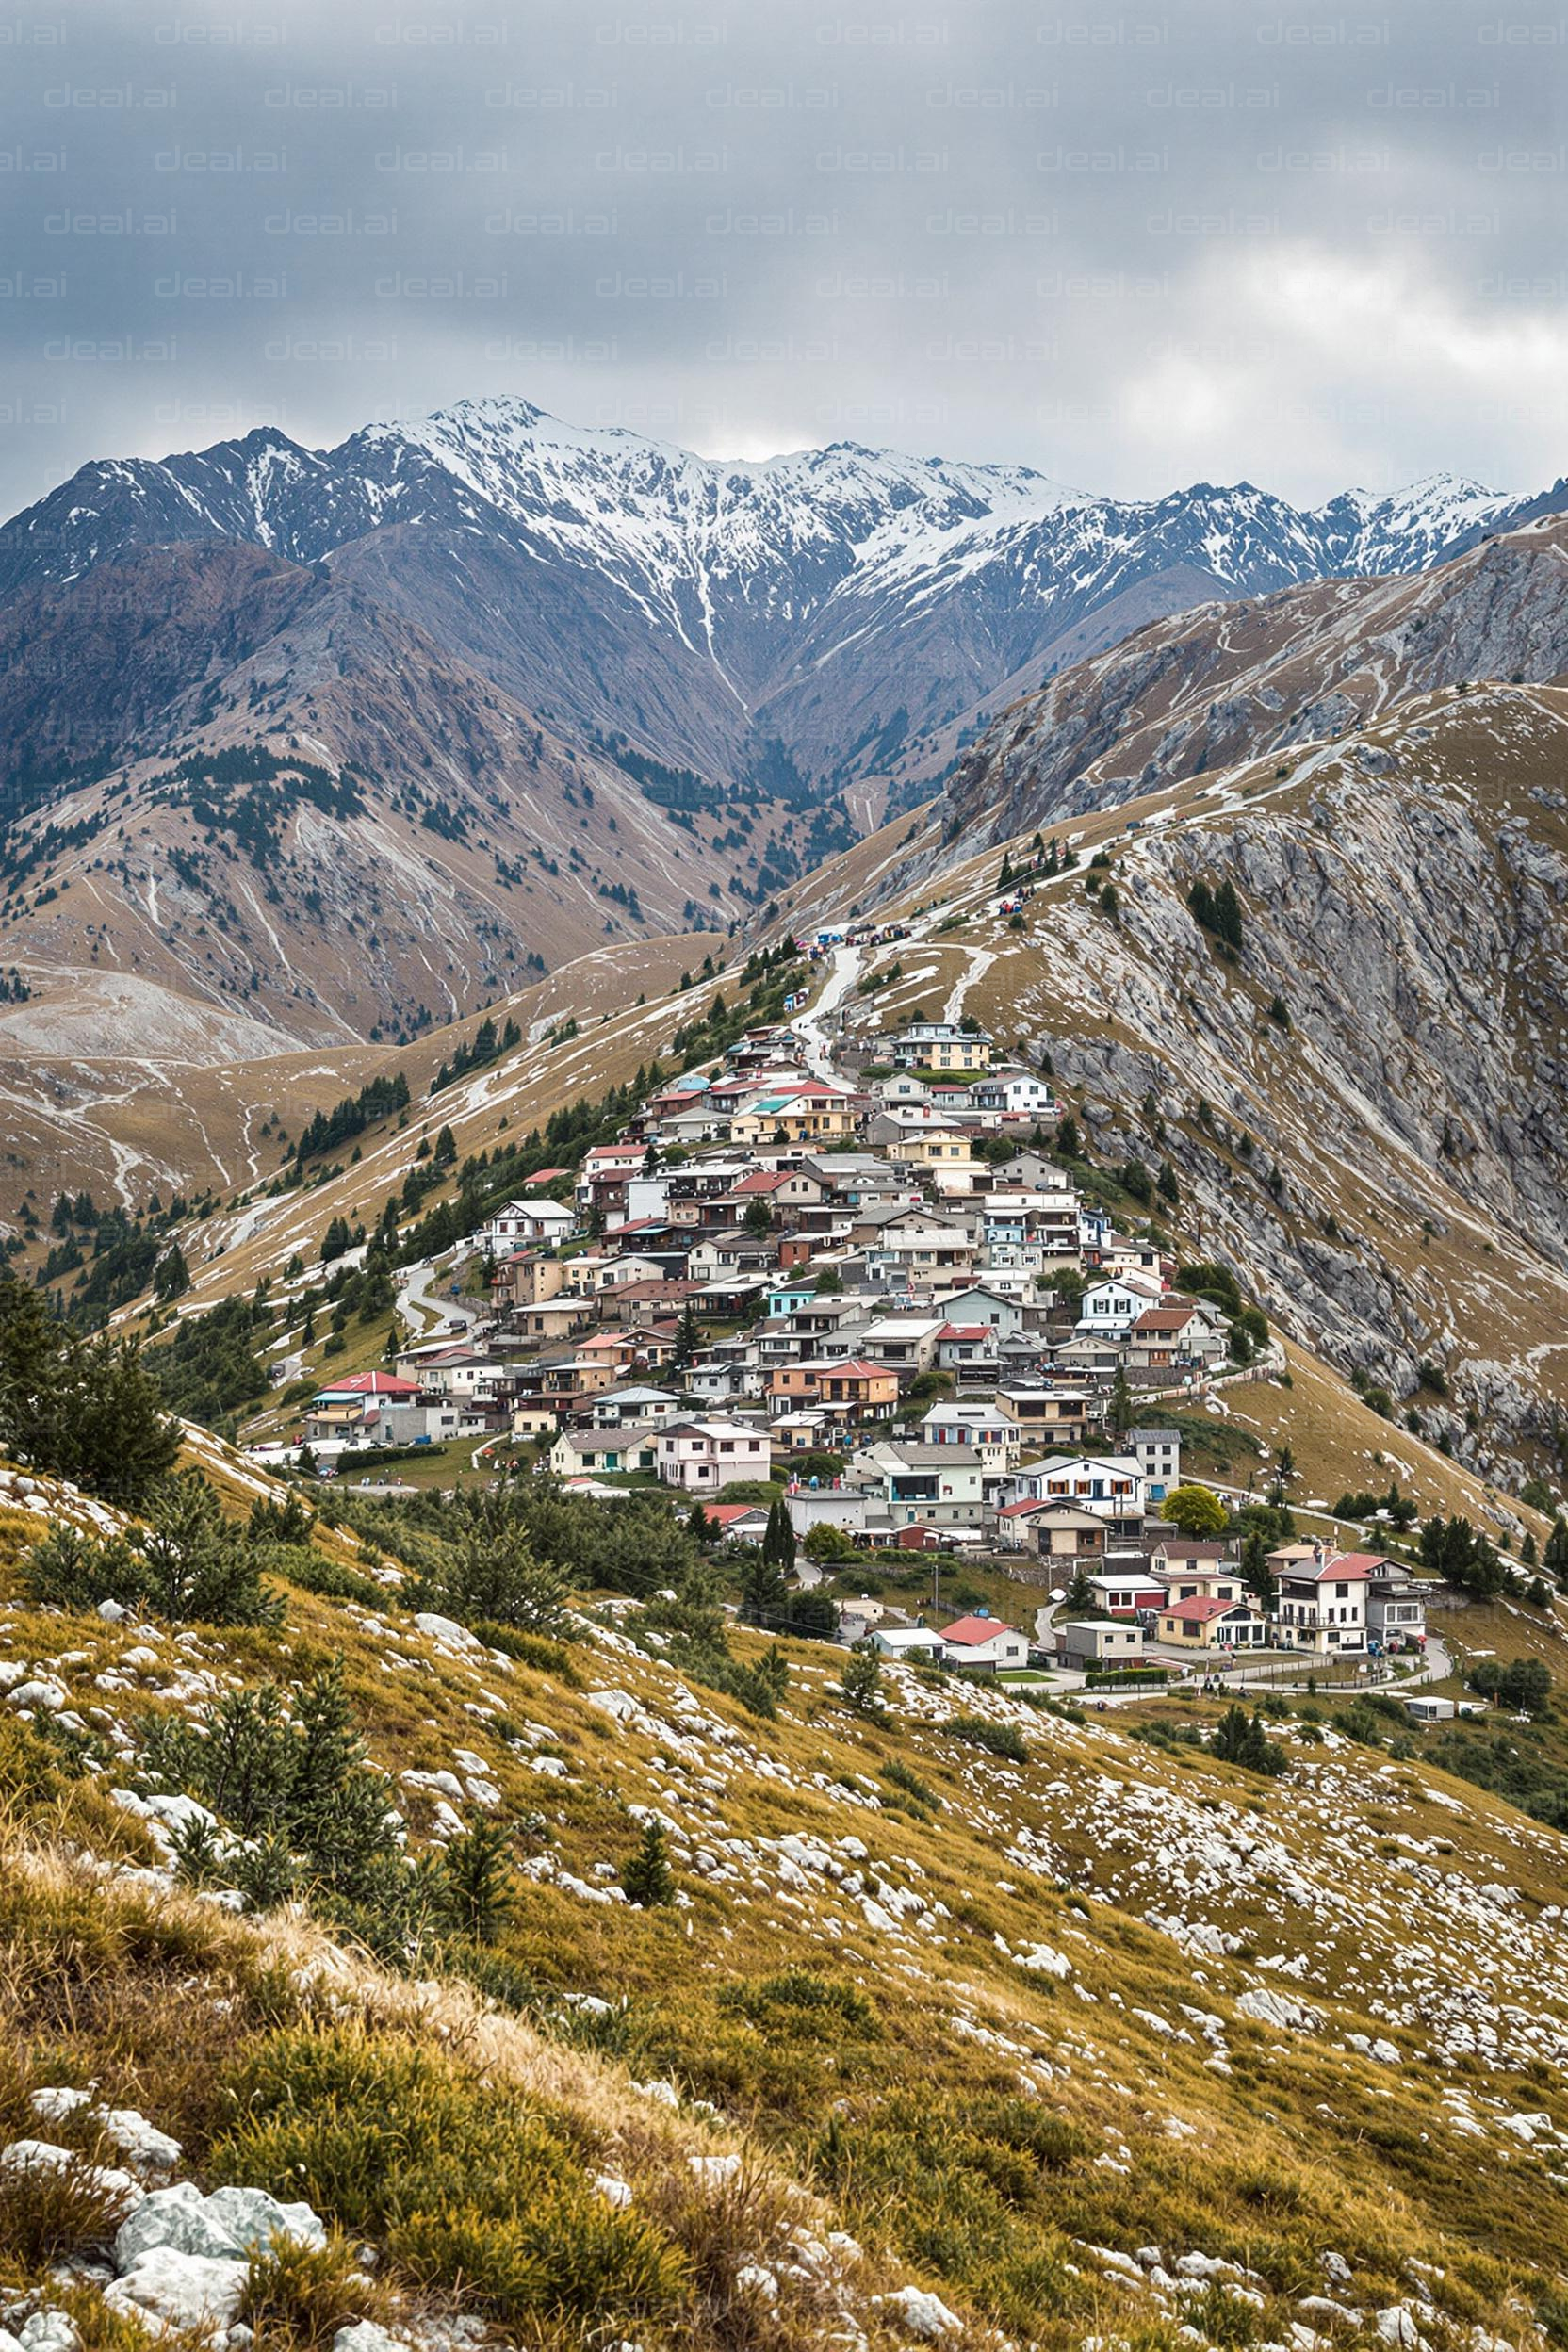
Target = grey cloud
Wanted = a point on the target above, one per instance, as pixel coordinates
(1135, 245)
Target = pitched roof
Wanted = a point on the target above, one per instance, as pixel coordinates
(1199, 1613)
(971, 1632)
(372, 1385)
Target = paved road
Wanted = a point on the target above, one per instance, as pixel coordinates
(422, 1304)
(811, 1027)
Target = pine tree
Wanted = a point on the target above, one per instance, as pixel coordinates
(171, 1275)
(1167, 1188)
(1240, 1739)
(1260, 1578)
(80, 1409)
(477, 1882)
(688, 1338)
(493, 1575)
(1555, 1559)
(860, 1684)
(763, 1589)
(1079, 1599)
(647, 1879)
(778, 1541)
(1119, 1411)
(1005, 877)
(1227, 915)
(195, 1564)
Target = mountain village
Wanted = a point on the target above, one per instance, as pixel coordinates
(873, 1285)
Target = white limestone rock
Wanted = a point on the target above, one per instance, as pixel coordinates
(171, 2289)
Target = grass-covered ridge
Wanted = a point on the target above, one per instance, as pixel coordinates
(987, 2012)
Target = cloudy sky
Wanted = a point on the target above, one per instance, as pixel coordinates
(1309, 245)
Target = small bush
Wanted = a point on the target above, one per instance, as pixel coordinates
(910, 1785)
(531, 1649)
(799, 2002)
(996, 1738)
(468, 2186)
(48, 2210)
(297, 2295)
(313, 1572)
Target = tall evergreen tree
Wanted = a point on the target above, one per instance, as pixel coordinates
(778, 1541)
(1555, 1559)
(764, 1593)
(688, 1338)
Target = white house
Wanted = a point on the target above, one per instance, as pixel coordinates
(934, 1486)
(1110, 1485)
(704, 1455)
(1158, 1455)
(1114, 1307)
(906, 1641)
(1016, 1091)
(525, 1225)
(993, 1433)
(984, 1642)
(618, 1405)
(1322, 1603)
(1395, 1607)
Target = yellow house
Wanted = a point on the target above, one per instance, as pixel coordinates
(812, 1112)
(941, 1045)
(1208, 1624)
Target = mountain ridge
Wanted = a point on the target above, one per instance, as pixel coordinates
(721, 609)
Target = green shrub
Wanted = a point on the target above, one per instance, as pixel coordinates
(798, 2001)
(314, 1572)
(292, 1769)
(47, 2212)
(299, 2296)
(531, 1649)
(996, 1738)
(909, 1783)
(469, 2187)
(187, 1564)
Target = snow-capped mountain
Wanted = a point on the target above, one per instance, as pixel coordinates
(831, 614)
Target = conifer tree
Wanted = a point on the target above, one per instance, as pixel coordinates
(647, 1879)
(477, 1883)
(860, 1684)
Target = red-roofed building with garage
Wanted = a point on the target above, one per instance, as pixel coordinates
(984, 1643)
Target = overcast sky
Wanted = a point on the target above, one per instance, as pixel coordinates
(1310, 246)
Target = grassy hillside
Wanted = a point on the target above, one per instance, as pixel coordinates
(1008, 2004)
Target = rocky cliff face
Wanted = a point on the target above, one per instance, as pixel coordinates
(1200, 691)
(1368, 1109)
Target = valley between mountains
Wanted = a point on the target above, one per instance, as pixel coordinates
(509, 930)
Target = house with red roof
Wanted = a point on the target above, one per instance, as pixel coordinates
(983, 1644)
(1204, 1623)
(737, 1522)
(1323, 1596)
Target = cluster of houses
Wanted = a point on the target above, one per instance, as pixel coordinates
(884, 1292)
(1170, 1600)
